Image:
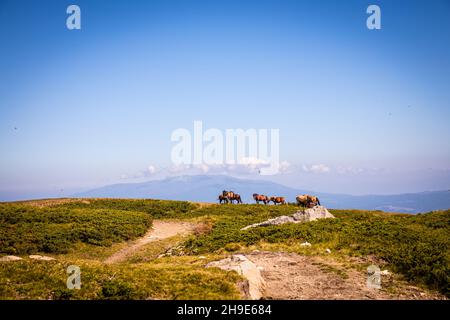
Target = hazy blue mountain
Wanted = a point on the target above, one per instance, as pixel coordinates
(206, 188)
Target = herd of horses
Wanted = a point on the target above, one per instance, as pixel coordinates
(304, 200)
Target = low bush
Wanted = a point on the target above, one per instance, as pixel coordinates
(416, 246)
(26, 229)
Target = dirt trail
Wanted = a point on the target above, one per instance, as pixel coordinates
(291, 276)
(159, 230)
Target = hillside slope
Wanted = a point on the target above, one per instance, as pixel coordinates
(205, 188)
(86, 232)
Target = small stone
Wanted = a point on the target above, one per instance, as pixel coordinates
(10, 258)
(306, 244)
(327, 250)
(42, 258)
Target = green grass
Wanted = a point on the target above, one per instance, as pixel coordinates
(416, 246)
(158, 209)
(171, 278)
(25, 229)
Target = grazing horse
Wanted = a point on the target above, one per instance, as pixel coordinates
(236, 197)
(306, 200)
(222, 199)
(231, 196)
(276, 200)
(260, 197)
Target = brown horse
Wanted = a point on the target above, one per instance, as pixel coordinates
(260, 197)
(276, 200)
(231, 196)
(308, 201)
(222, 199)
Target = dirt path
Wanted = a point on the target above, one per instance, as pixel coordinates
(291, 276)
(159, 230)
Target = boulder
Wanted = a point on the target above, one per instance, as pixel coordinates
(243, 266)
(310, 214)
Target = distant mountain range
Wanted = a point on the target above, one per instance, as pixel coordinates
(206, 188)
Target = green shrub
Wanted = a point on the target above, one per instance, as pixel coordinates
(416, 246)
(116, 290)
(26, 229)
(156, 208)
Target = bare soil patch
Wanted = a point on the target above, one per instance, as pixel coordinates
(292, 276)
(160, 230)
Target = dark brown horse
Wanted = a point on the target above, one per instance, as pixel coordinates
(308, 201)
(260, 197)
(222, 199)
(231, 196)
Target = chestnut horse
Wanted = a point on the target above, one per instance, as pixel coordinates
(276, 200)
(260, 197)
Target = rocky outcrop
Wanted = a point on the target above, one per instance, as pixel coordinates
(243, 266)
(310, 214)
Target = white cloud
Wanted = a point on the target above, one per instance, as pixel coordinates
(285, 167)
(349, 169)
(245, 166)
(252, 162)
(316, 168)
(150, 171)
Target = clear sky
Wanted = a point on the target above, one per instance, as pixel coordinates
(359, 110)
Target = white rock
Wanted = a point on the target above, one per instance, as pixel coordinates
(310, 214)
(10, 258)
(202, 257)
(306, 244)
(327, 250)
(243, 266)
(42, 258)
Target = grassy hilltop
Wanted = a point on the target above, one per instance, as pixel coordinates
(86, 232)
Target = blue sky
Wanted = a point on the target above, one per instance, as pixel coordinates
(359, 111)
